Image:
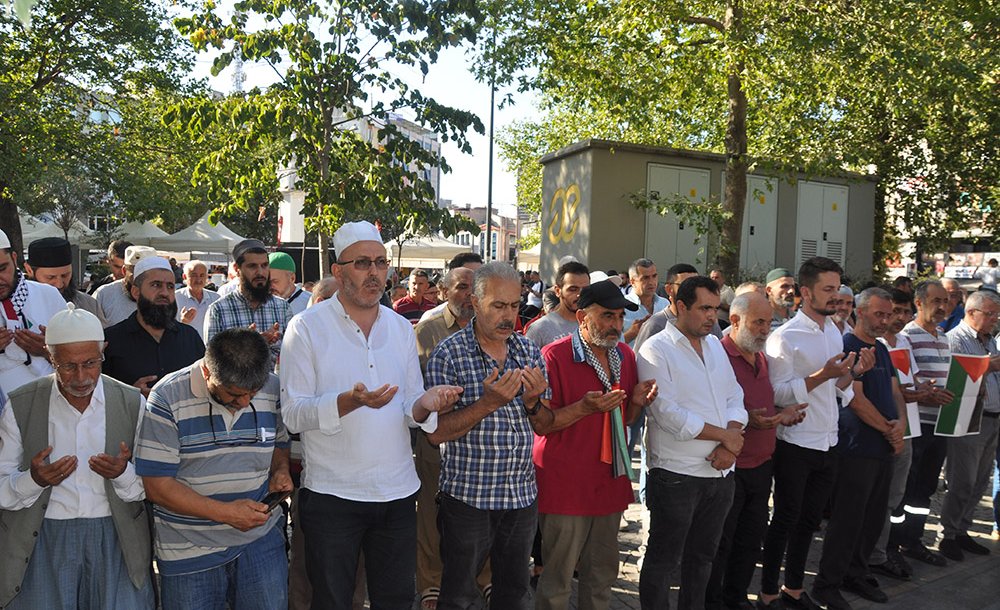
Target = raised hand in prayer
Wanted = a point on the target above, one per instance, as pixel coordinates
(644, 393)
(534, 384)
(46, 475)
(111, 467)
(499, 390)
(601, 402)
(31, 342)
(188, 314)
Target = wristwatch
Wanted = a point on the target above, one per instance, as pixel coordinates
(533, 411)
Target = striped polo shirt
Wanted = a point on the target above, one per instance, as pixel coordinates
(187, 435)
(933, 357)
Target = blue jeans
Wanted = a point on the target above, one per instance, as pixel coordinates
(337, 530)
(996, 493)
(468, 536)
(635, 436)
(257, 579)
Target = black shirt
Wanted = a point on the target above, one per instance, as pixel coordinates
(133, 353)
(856, 437)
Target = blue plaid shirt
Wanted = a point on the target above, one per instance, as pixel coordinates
(489, 468)
(234, 311)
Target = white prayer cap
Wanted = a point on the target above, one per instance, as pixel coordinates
(569, 258)
(352, 232)
(133, 254)
(597, 276)
(150, 262)
(73, 325)
(4, 240)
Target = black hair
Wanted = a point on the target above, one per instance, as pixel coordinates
(687, 292)
(570, 267)
(811, 269)
(459, 260)
(678, 269)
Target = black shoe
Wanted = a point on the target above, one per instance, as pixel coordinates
(774, 605)
(897, 558)
(967, 544)
(804, 602)
(865, 589)
(949, 548)
(924, 554)
(743, 605)
(890, 569)
(831, 599)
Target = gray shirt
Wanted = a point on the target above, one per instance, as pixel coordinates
(84, 301)
(115, 304)
(964, 340)
(550, 327)
(658, 321)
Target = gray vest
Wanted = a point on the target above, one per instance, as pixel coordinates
(19, 528)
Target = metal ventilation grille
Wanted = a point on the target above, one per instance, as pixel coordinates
(835, 251)
(808, 248)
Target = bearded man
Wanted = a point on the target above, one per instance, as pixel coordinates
(151, 343)
(50, 261)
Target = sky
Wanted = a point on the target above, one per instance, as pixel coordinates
(451, 83)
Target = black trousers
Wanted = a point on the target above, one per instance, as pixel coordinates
(929, 452)
(742, 536)
(803, 482)
(337, 530)
(859, 499)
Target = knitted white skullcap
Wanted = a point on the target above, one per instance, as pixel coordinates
(133, 254)
(150, 262)
(351, 233)
(73, 325)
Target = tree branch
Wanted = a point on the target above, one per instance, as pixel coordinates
(709, 21)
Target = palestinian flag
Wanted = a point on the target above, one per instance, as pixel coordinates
(901, 360)
(964, 413)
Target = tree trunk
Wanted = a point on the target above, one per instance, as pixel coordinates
(736, 155)
(324, 254)
(10, 222)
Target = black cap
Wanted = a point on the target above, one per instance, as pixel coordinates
(248, 245)
(605, 294)
(49, 252)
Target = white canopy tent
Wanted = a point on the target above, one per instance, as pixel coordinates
(33, 228)
(528, 259)
(424, 251)
(199, 237)
(140, 234)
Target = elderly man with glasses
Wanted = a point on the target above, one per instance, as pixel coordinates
(211, 448)
(75, 533)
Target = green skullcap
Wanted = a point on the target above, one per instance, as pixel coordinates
(773, 274)
(280, 260)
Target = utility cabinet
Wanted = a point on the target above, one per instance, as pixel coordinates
(668, 238)
(821, 229)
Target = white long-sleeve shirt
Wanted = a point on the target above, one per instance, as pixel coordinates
(364, 456)
(83, 494)
(795, 350)
(693, 391)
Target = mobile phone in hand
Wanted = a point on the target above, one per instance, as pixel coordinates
(275, 498)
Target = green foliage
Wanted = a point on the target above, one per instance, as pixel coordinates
(61, 85)
(335, 66)
(907, 90)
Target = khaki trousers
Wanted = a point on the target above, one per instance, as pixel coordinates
(586, 544)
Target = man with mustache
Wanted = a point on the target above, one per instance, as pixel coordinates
(27, 307)
(845, 307)
(115, 299)
(253, 305)
(570, 280)
(871, 432)
(694, 432)
(151, 343)
(75, 532)
(456, 315)
(932, 352)
(743, 532)
(807, 364)
(193, 300)
(779, 285)
(50, 261)
(351, 387)
(488, 497)
(581, 497)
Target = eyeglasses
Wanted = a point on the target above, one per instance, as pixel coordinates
(70, 368)
(988, 314)
(235, 438)
(364, 264)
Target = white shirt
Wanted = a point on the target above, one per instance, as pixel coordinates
(989, 275)
(364, 456)
(82, 495)
(430, 312)
(797, 349)
(693, 392)
(533, 300)
(186, 299)
(231, 285)
(43, 302)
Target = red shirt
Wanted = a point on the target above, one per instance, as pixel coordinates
(758, 445)
(411, 310)
(572, 479)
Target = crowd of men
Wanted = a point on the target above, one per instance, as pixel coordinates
(434, 446)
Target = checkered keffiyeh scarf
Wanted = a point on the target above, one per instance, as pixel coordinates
(614, 363)
(19, 296)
